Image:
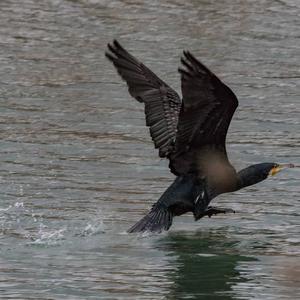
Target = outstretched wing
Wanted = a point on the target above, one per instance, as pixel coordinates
(162, 104)
(207, 109)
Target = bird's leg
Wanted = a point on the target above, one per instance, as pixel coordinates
(213, 210)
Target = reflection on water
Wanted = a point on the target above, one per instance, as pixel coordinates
(77, 164)
(206, 265)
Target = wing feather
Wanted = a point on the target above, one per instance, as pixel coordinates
(207, 109)
(162, 104)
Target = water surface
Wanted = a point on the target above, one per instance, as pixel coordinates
(78, 166)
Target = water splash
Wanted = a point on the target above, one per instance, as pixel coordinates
(49, 237)
(93, 228)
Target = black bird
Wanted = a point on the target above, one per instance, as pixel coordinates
(191, 133)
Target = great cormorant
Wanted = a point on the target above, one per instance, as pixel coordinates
(191, 133)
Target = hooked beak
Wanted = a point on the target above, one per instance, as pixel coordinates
(278, 168)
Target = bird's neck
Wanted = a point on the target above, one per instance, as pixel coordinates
(248, 176)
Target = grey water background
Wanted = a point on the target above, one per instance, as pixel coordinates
(77, 165)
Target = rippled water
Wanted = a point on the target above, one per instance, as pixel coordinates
(78, 166)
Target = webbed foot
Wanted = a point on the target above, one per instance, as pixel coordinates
(213, 210)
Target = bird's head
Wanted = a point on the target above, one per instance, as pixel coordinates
(260, 172)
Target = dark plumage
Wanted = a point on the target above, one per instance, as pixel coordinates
(191, 133)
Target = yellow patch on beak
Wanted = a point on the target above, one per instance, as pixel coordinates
(275, 170)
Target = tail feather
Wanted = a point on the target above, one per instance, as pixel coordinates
(157, 220)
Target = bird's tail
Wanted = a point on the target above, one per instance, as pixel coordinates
(157, 220)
